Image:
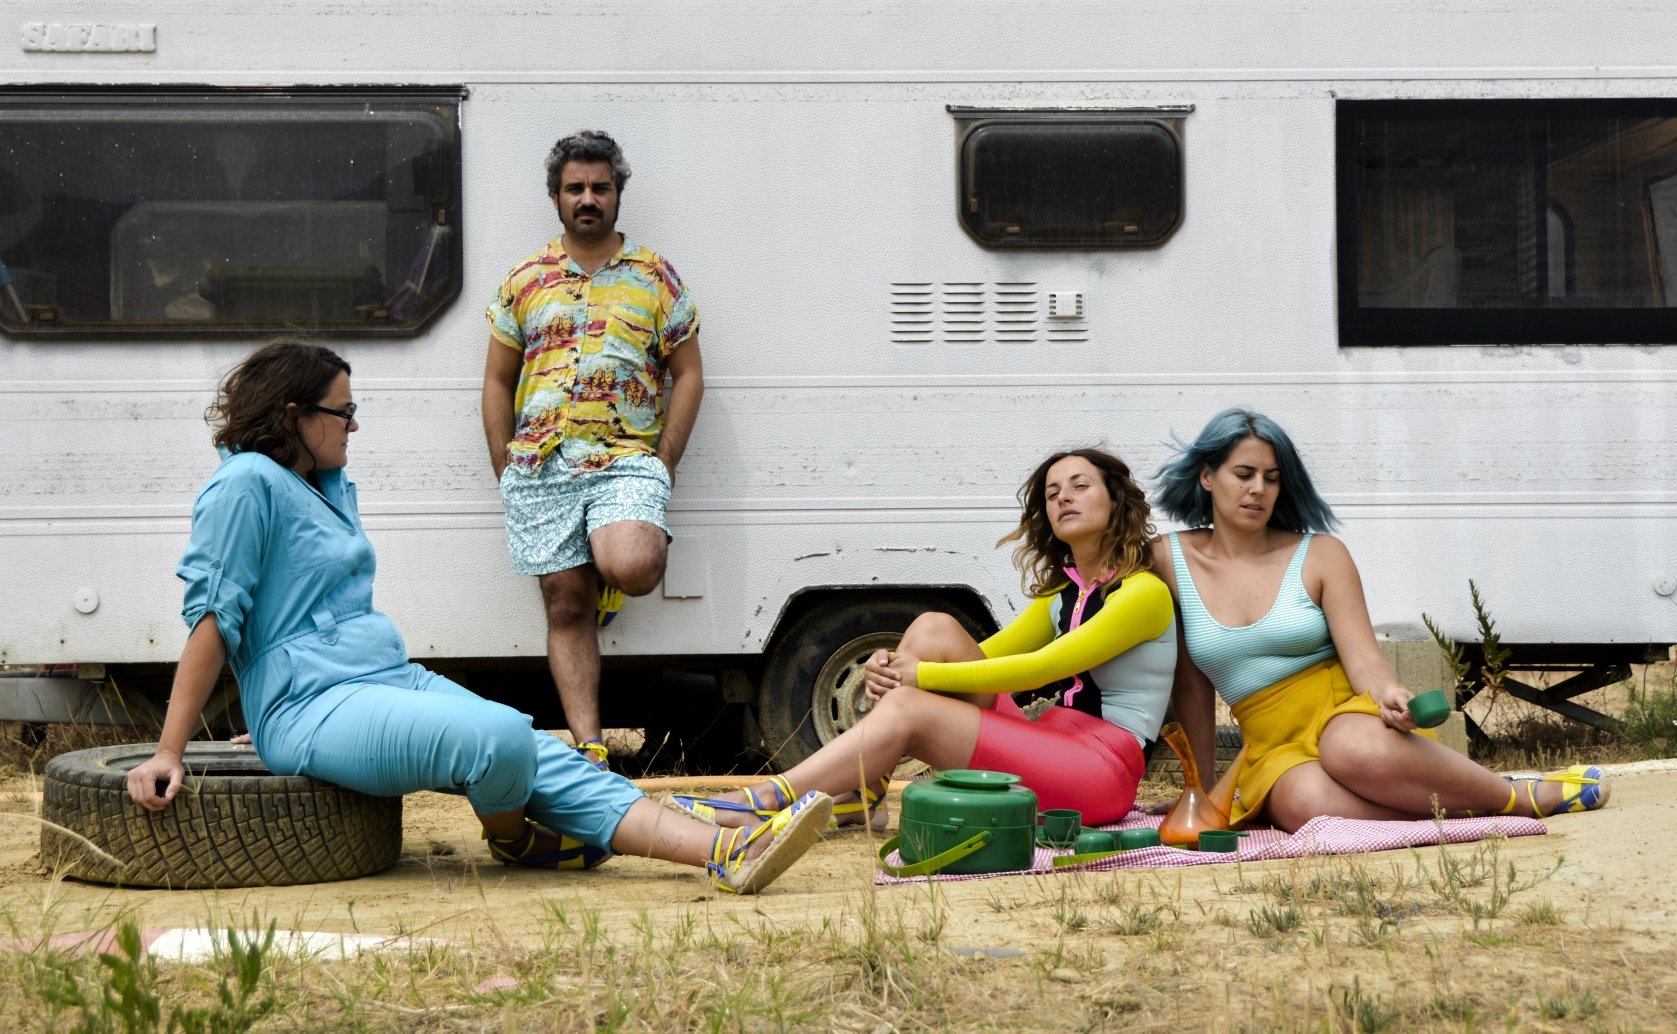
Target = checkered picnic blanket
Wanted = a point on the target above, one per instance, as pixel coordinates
(1324, 835)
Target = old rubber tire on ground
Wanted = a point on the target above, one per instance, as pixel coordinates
(233, 823)
(1166, 765)
(812, 679)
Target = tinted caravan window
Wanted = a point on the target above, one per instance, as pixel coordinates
(1070, 177)
(136, 213)
(1521, 222)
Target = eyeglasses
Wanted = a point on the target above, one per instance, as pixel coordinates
(347, 414)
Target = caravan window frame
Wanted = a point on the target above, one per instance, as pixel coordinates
(232, 212)
(1551, 312)
(1019, 138)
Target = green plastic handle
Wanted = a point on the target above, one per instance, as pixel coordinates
(1083, 859)
(927, 866)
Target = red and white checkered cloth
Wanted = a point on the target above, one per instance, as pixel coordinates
(1324, 835)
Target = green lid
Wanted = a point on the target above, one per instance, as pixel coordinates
(977, 779)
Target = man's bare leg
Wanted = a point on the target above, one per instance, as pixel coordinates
(629, 555)
(573, 646)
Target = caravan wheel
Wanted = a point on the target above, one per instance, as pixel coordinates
(812, 686)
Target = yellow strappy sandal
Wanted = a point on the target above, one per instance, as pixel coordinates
(705, 808)
(1586, 790)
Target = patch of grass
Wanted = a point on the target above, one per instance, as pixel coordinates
(26, 748)
(1539, 913)
(1459, 1008)
(1363, 1012)
(1649, 723)
(1138, 920)
(1268, 922)
(1572, 1005)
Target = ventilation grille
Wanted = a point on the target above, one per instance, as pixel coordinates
(1016, 314)
(968, 313)
(962, 320)
(913, 313)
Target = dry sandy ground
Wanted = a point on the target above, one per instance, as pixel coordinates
(1617, 873)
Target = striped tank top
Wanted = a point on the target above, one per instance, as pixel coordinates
(1241, 661)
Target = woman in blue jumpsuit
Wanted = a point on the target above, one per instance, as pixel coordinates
(279, 583)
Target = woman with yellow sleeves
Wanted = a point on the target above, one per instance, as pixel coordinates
(1100, 619)
(1273, 620)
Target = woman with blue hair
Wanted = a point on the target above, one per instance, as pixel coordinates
(1273, 620)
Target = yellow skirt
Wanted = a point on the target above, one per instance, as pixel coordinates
(1282, 725)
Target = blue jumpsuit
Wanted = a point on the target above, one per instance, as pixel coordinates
(324, 679)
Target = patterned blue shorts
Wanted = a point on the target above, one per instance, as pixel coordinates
(551, 513)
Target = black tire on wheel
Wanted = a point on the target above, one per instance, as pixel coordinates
(233, 823)
(1166, 765)
(812, 677)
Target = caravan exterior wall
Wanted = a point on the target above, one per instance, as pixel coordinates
(880, 377)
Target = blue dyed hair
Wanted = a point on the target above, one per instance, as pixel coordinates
(1298, 506)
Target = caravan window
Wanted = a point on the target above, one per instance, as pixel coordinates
(1070, 177)
(235, 212)
(1521, 222)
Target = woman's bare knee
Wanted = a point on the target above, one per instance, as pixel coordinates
(1292, 806)
(936, 636)
(1359, 749)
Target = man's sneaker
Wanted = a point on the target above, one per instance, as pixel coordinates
(610, 602)
(595, 753)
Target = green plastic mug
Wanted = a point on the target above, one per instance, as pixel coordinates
(1430, 709)
(1060, 826)
(1222, 840)
(1136, 839)
(1095, 841)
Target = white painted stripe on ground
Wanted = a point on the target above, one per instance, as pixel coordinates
(186, 945)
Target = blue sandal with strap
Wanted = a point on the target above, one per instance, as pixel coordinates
(869, 803)
(595, 753)
(1586, 790)
(795, 829)
(520, 850)
(607, 604)
(705, 808)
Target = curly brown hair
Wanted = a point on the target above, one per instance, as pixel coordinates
(1041, 557)
(249, 413)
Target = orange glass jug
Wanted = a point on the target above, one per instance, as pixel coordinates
(1196, 810)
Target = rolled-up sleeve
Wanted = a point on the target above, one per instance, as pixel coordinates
(680, 316)
(504, 324)
(223, 559)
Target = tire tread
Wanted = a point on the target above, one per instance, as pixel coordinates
(252, 829)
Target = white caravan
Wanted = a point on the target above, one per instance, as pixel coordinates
(930, 242)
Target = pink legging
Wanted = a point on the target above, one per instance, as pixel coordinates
(1071, 759)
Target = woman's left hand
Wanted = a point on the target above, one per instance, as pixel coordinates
(1393, 702)
(907, 667)
(878, 677)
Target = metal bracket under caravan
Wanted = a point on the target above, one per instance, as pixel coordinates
(51, 699)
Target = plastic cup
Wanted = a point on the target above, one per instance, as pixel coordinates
(1224, 840)
(1135, 839)
(1060, 826)
(1095, 841)
(1430, 709)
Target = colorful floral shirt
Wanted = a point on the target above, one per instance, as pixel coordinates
(592, 386)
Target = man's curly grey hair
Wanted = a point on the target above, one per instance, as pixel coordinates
(586, 145)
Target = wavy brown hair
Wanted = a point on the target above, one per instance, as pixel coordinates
(1040, 556)
(249, 413)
